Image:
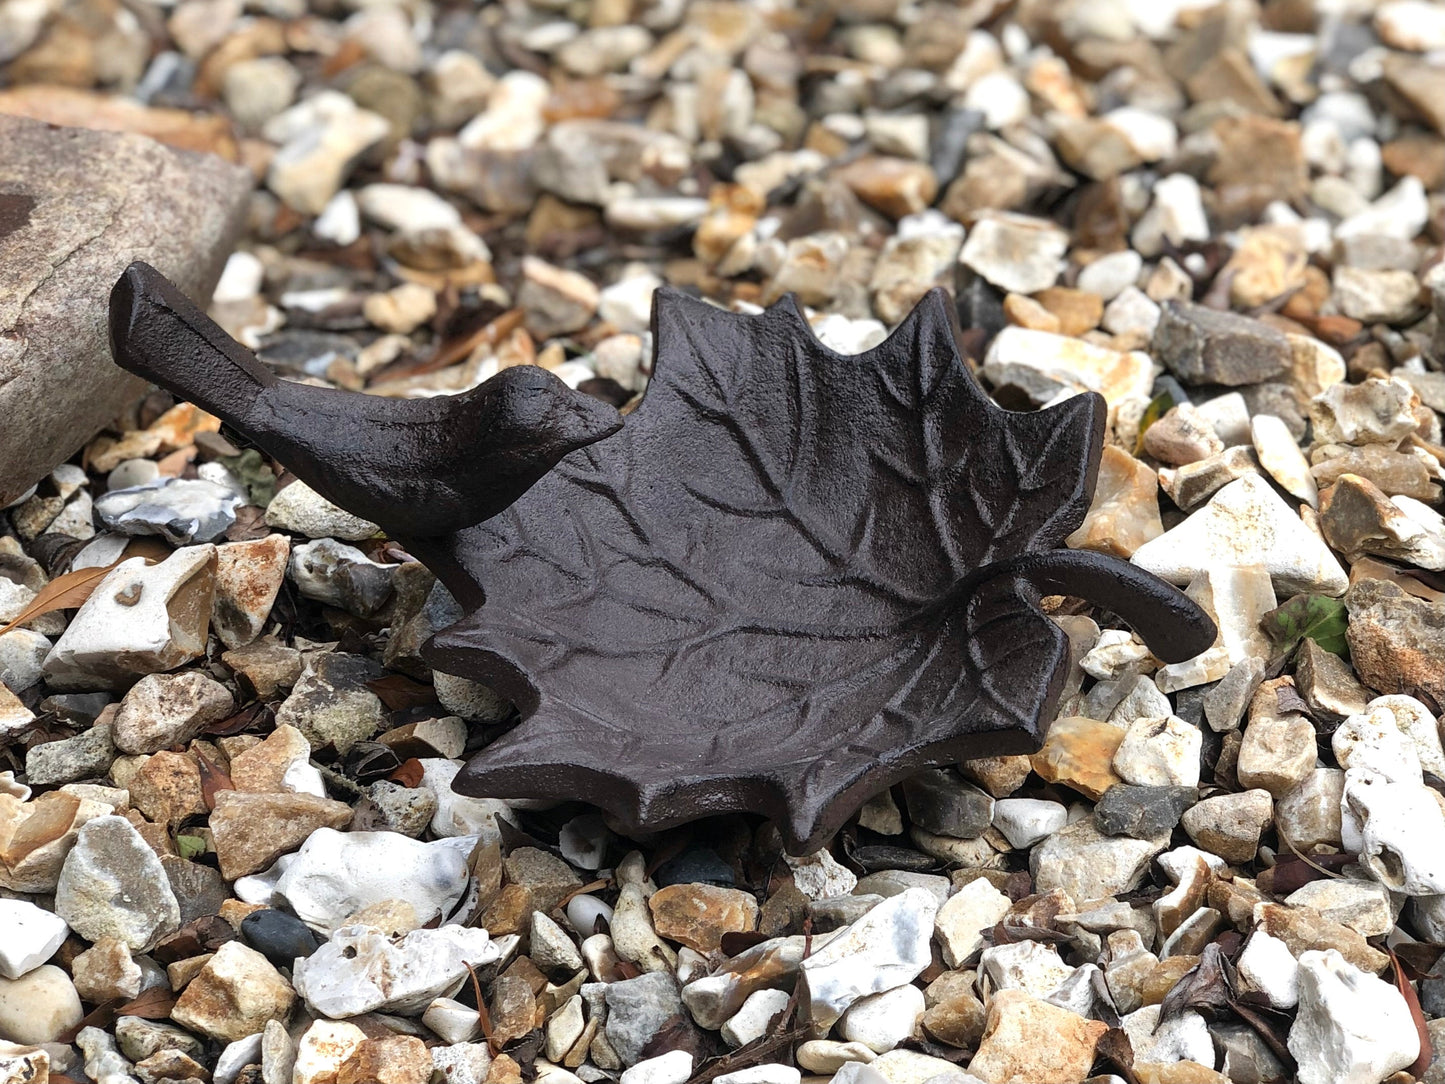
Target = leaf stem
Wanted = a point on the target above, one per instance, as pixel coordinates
(1173, 625)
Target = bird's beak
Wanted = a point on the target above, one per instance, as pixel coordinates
(587, 420)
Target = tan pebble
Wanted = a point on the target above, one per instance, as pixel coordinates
(1026, 312)
(1077, 311)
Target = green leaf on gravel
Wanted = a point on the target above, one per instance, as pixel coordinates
(1159, 406)
(254, 474)
(1316, 617)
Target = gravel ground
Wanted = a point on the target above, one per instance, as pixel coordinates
(229, 850)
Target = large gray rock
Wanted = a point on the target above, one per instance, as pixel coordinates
(76, 207)
(1203, 346)
(1397, 641)
(113, 885)
(637, 1009)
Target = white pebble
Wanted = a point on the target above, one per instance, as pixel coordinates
(584, 911)
(240, 281)
(1266, 966)
(674, 1067)
(752, 1018)
(29, 935)
(882, 1021)
(1352, 1027)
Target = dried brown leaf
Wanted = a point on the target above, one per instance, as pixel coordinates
(67, 592)
(409, 774)
(1407, 991)
(736, 941)
(368, 761)
(1204, 989)
(1419, 957)
(213, 779)
(196, 938)
(678, 1032)
(102, 1016)
(485, 865)
(250, 525)
(71, 590)
(524, 1052)
(774, 1046)
(1018, 931)
(152, 549)
(1274, 1034)
(250, 715)
(513, 837)
(155, 1004)
(401, 693)
(1114, 1047)
(459, 346)
(1289, 874)
(484, 1020)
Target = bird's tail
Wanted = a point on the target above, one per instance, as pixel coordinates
(158, 333)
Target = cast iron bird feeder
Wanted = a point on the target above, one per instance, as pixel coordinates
(792, 578)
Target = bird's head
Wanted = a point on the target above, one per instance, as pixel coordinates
(543, 418)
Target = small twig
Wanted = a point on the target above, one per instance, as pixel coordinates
(484, 1018)
(1284, 838)
(594, 886)
(1434, 449)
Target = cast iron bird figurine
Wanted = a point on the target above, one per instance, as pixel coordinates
(416, 467)
(791, 580)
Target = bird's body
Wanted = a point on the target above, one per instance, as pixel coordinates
(417, 467)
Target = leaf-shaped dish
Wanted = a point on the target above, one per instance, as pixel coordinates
(791, 579)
